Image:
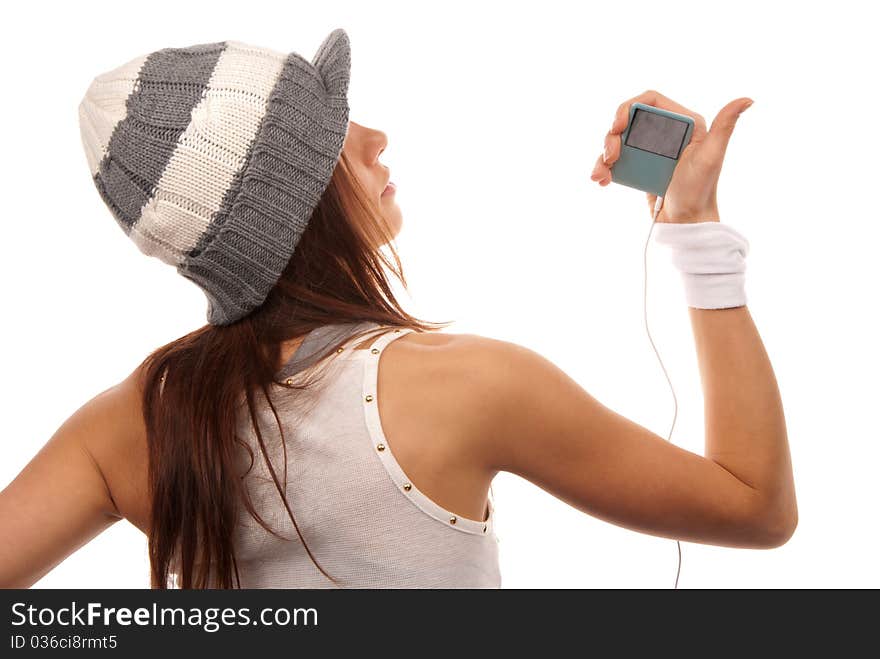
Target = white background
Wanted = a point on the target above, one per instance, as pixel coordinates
(495, 114)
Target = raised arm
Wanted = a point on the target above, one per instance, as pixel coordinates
(535, 421)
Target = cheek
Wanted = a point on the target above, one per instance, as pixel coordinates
(364, 178)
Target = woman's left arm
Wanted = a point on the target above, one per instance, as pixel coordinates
(61, 499)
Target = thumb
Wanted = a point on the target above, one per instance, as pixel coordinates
(724, 123)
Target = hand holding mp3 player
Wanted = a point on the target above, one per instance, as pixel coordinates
(662, 148)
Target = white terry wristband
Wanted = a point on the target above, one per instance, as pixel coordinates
(711, 257)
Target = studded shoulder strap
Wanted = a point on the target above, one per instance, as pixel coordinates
(388, 336)
(381, 447)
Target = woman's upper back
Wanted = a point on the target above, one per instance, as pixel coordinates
(368, 521)
(416, 405)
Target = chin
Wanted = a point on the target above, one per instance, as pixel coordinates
(394, 218)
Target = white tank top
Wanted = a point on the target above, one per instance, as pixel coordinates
(364, 520)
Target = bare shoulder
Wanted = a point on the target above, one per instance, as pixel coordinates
(469, 350)
(485, 385)
(480, 360)
(463, 360)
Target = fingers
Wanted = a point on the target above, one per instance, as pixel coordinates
(601, 171)
(612, 149)
(604, 163)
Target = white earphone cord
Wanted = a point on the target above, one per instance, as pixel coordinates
(658, 204)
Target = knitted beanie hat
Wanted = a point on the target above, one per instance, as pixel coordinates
(213, 157)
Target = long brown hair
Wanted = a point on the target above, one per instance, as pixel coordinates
(192, 386)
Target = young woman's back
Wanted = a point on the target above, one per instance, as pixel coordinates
(365, 518)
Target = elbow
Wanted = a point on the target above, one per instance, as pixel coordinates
(776, 529)
(779, 534)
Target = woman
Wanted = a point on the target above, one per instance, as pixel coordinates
(268, 448)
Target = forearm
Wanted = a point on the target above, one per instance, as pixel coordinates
(744, 419)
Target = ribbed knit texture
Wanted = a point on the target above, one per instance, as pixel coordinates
(365, 522)
(213, 157)
(711, 257)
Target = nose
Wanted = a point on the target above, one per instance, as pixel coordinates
(381, 141)
(370, 142)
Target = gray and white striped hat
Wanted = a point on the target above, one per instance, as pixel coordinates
(213, 157)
